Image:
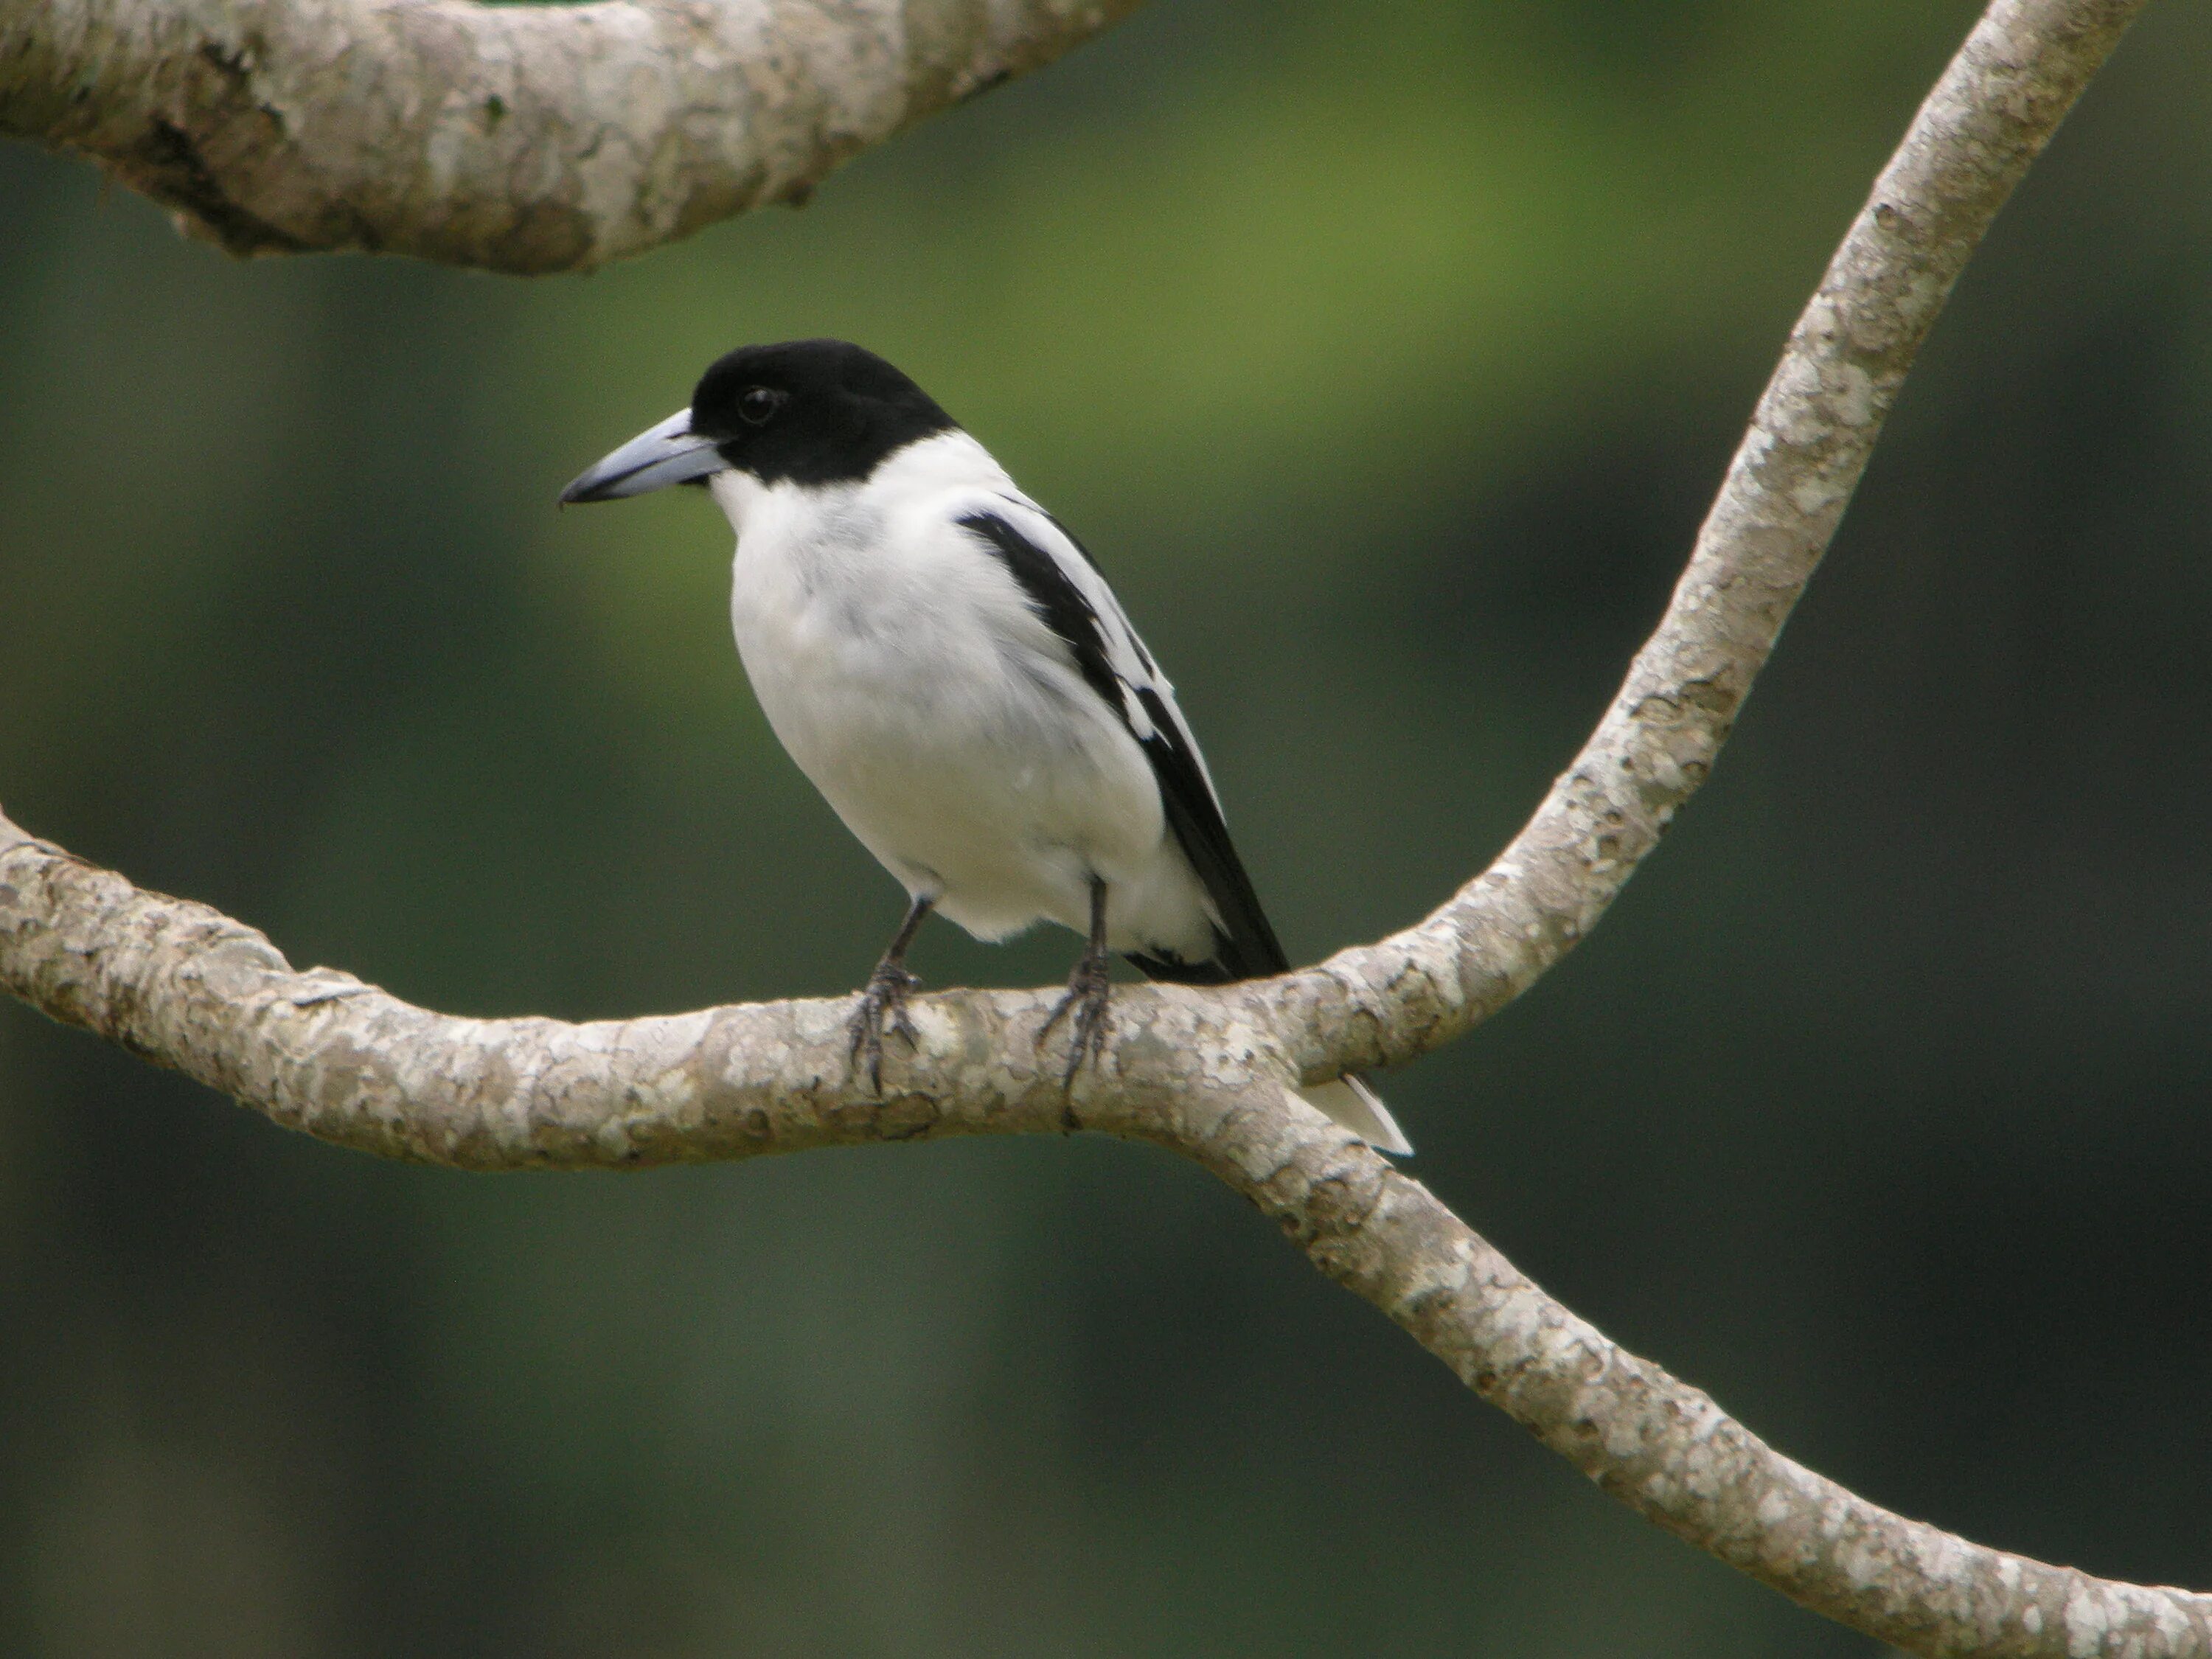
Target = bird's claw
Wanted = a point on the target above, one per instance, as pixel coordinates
(883, 1008)
(1087, 1007)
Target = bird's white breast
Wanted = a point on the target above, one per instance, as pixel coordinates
(899, 662)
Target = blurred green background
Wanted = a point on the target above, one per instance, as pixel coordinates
(1387, 356)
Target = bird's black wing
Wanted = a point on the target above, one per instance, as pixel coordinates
(1065, 587)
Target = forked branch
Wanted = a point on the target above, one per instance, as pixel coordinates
(1201, 1072)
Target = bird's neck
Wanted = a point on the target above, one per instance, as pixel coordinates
(739, 494)
(942, 462)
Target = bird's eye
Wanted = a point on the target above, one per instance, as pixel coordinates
(755, 403)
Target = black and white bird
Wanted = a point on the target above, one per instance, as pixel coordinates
(948, 666)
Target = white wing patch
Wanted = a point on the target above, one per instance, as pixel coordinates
(1125, 654)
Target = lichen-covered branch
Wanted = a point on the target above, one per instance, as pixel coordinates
(515, 137)
(1202, 1072)
(187, 987)
(1986, 120)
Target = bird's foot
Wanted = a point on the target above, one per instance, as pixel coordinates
(883, 1009)
(1090, 1017)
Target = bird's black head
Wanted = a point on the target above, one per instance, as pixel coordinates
(811, 411)
(806, 411)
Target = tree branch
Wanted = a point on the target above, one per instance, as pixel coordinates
(1986, 120)
(518, 137)
(1201, 1072)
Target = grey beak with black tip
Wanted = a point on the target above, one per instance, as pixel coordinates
(670, 453)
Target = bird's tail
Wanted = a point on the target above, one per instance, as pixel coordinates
(1359, 1109)
(1348, 1100)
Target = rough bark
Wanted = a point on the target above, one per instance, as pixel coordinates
(1201, 1072)
(1809, 442)
(517, 138)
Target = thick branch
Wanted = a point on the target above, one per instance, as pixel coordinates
(184, 985)
(1201, 1072)
(188, 987)
(1988, 118)
(518, 137)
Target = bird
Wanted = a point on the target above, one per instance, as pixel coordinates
(948, 666)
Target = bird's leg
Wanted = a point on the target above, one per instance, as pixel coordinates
(883, 1001)
(1088, 989)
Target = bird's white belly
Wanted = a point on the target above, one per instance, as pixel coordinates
(981, 772)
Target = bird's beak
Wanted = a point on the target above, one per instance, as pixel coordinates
(670, 453)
